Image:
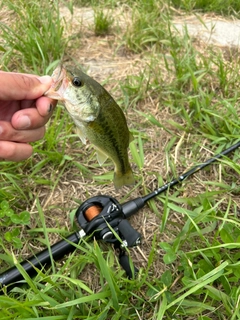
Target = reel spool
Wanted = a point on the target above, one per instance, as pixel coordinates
(93, 211)
(96, 214)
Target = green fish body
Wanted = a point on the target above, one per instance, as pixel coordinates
(98, 118)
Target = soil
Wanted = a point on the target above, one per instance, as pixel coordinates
(103, 58)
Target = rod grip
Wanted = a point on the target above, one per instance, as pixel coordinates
(133, 206)
(41, 259)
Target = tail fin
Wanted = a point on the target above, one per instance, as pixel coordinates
(126, 179)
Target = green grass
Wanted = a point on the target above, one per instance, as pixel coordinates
(102, 21)
(182, 105)
(35, 37)
(149, 28)
(220, 7)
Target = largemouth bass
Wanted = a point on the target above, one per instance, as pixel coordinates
(98, 118)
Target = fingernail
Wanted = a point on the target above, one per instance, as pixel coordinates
(23, 122)
(50, 108)
(45, 79)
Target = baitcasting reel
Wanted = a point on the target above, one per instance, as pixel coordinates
(104, 217)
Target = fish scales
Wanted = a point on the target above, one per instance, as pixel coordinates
(120, 154)
(98, 118)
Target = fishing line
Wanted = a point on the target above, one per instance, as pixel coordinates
(92, 212)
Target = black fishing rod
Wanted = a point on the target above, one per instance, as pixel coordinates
(103, 218)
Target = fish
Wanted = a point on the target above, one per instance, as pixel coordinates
(98, 118)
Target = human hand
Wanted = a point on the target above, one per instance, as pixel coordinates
(24, 111)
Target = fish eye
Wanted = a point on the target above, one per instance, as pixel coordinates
(77, 82)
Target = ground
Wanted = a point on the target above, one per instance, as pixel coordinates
(168, 149)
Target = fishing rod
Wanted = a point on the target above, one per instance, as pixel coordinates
(103, 218)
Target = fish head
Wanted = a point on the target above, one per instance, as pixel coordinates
(72, 87)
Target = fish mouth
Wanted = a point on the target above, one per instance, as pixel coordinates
(56, 89)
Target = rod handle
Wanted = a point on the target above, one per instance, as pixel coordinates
(41, 259)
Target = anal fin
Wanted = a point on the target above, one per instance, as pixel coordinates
(131, 137)
(81, 135)
(101, 157)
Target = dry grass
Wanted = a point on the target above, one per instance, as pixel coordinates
(168, 151)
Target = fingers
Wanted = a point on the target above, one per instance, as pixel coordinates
(33, 118)
(27, 115)
(8, 133)
(34, 108)
(13, 151)
(18, 86)
(45, 106)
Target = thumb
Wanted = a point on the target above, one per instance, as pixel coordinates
(18, 86)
